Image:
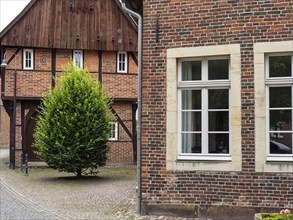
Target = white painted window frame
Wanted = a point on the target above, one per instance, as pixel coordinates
(81, 58)
(115, 138)
(25, 58)
(125, 61)
(262, 162)
(204, 85)
(173, 163)
(277, 82)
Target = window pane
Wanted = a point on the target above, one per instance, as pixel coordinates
(191, 143)
(219, 121)
(280, 66)
(191, 121)
(122, 57)
(218, 99)
(281, 143)
(280, 97)
(121, 66)
(191, 70)
(112, 130)
(219, 143)
(122, 62)
(218, 69)
(28, 59)
(191, 99)
(77, 56)
(280, 120)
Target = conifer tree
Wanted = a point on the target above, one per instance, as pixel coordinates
(73, 124)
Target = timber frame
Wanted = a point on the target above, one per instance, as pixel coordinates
(99, 28)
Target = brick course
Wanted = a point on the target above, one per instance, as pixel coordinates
(202, 23)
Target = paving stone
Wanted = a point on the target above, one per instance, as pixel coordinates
(45, 195)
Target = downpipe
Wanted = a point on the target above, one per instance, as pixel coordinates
(138, 127)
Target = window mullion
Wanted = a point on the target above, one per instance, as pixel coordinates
(205, 142)
(179, 106)
(205, 121)
(292, 109)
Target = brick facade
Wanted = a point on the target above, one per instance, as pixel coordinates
(198, 24)
(4, 127)
(34, 84)
(122, 150)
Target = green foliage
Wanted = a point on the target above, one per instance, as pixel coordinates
(276, 216)
(72, 129)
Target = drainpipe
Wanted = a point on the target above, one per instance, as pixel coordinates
(138, 127)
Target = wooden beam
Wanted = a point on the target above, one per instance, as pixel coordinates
(100, 53)
(13, 56)
(53, 67)
(134, 57)
(121, 122)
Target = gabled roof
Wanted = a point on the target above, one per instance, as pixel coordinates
(18, 17)
(72, 24)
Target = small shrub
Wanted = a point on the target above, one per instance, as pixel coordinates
(276, 216)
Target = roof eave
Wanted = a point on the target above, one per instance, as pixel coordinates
(126, 15)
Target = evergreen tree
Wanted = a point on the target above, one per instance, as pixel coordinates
(73, 125)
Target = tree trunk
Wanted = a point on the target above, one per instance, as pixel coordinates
(78, 173)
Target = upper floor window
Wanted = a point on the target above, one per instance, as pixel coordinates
(113, 131)
(203, 91)
(279, 89)
(78, 58)
(28, 59)
(122, 62)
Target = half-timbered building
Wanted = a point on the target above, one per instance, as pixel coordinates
(48, 34)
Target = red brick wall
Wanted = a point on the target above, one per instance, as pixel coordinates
(29, 83)
(4, 126)
(43, 59)
(63, 58)
(120, 86)
(109, 62)
(132, 66)
(199, 23)
(122, 150)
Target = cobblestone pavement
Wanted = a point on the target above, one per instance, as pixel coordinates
(16, 206)
(13, 205)
(46, 194)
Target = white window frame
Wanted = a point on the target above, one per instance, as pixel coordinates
(174, 162)
(277, 82)
(264, 162)
(203, 85)
(25, 58)
(115, 138)
(81, 58)
(125, 61)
